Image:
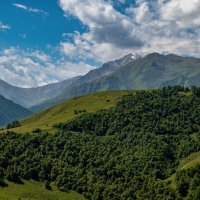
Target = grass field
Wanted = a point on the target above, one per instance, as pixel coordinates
(190, 161)
(187, 163)
(32, 190)
(65, 111)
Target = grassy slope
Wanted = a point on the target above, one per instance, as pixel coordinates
(190, 161)
(187, 163)
(65, 111)
(35, 191)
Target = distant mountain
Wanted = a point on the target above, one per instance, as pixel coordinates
(28, 97)
(152, 71)
(10, 111)
(96, 74)
(106, 69)
(180, 80)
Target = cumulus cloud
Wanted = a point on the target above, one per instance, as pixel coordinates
(185, 13)
(156, 25)
(171, 26)
(107, 27)
(4, 26)
(28, 68)
(29, 9)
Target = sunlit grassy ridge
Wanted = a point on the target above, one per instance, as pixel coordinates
(32, 190)
(65, 111)
(185, 164)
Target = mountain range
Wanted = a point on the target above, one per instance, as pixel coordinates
(134, 71)
(149, 72)
(28, 97)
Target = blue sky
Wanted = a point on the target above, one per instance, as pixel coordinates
(36, 30)
(44, 41)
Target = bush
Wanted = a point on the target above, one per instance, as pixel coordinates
(37, 130)
(13, 124)
(47, 185)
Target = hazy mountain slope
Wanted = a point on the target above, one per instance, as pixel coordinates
(181, 80)
(91, 77)
(9, 111)
(104, 84)
(31, 96)
(152, 71)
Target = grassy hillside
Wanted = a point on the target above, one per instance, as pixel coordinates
(66, 111)
(185, 164)
(145, 147)
(190, 161)
(32, 190)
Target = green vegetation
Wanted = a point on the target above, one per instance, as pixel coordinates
(13, 124)
(146, 147)
(190, 161)
(32, 190)
(185, 164)
(66, 111)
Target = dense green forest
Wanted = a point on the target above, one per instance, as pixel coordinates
(126, 152)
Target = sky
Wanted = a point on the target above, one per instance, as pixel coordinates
(45, 41)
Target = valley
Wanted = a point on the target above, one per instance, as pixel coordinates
(100, 100)
(144, 145)
(128, 130)
(10, 111)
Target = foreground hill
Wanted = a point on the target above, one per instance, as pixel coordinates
(150, 72)
(68, 110)
(146, 147)
(10, 111)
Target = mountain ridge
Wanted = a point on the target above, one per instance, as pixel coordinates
(28, 97)
(152, 71)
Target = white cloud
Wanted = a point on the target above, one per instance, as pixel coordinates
(4, 26)
(107, 28)
(157, 25)
(27, 68)
(68, 48)
(185, 13)
(151, 26)
(29, 9)
(102, 20)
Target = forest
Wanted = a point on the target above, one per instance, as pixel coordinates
(127, 152)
